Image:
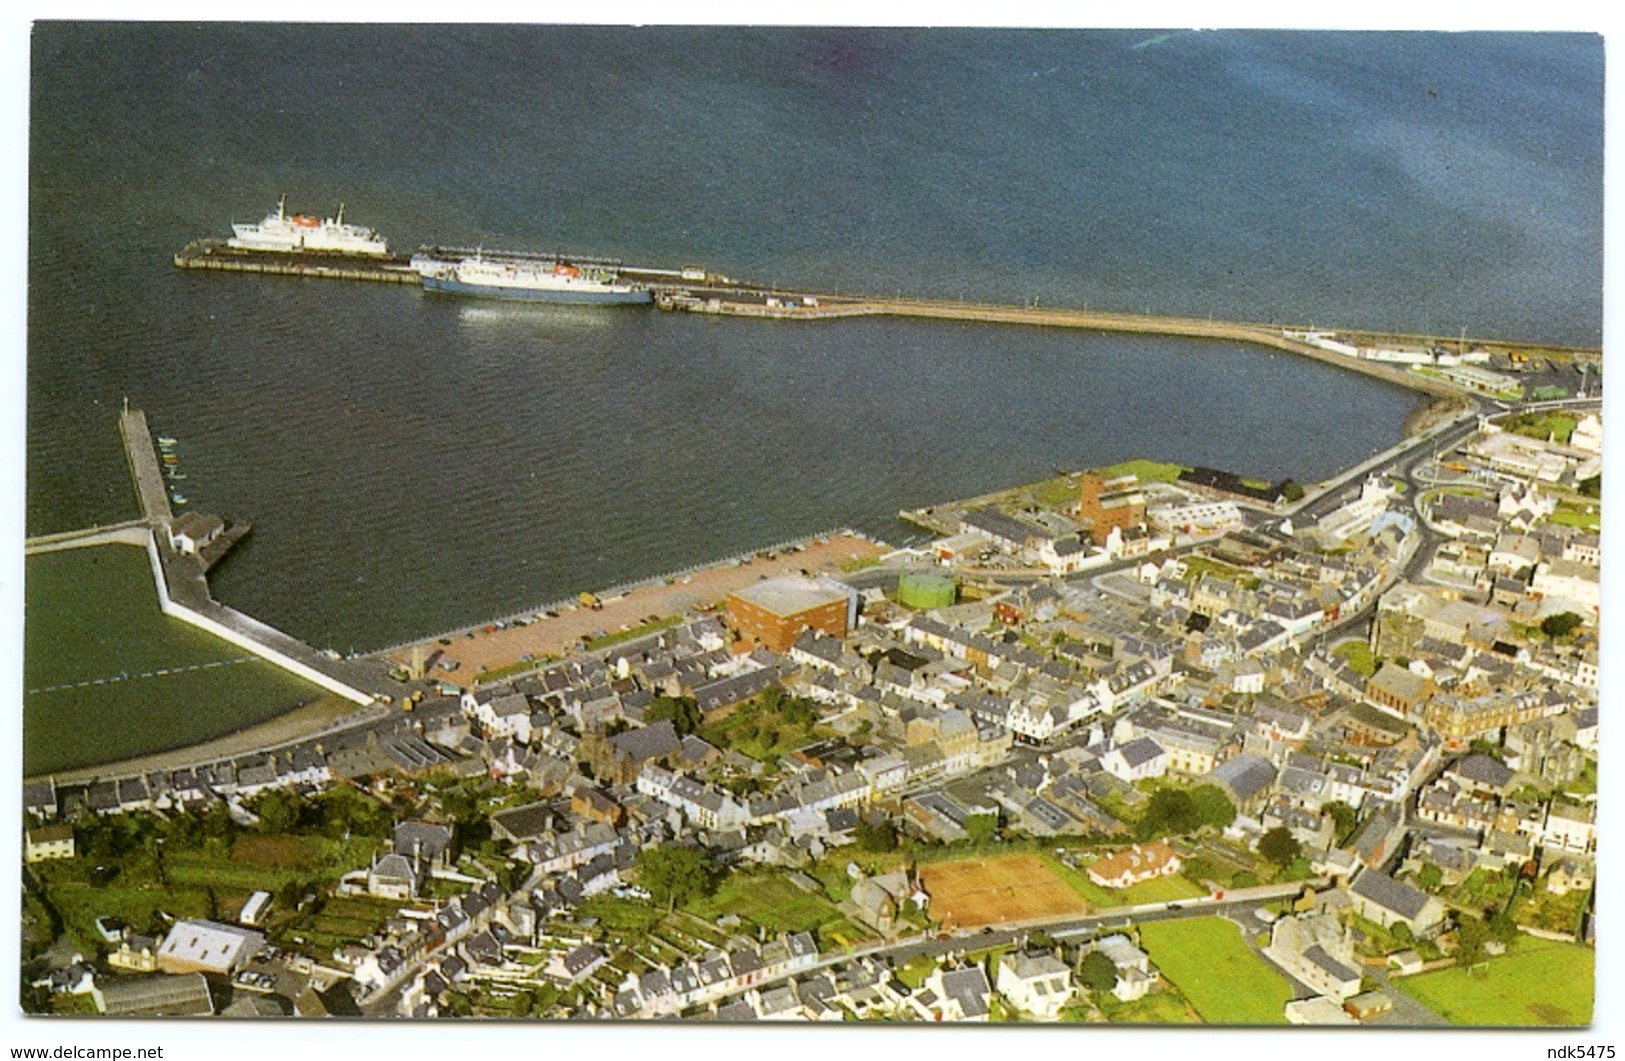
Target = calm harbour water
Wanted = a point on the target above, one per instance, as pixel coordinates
(413, 462)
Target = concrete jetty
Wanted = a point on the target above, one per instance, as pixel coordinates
(791, 306)
(215, 255)
(144, 470)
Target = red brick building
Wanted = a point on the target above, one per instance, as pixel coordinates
(774, 611)
(1106, 503)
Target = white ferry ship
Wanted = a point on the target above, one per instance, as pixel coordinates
(296, 233)
(533, 279)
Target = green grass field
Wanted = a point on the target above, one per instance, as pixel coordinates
(1210, 964)
(770, 900)
(106, 675)
(1538, 982)
(1359, 656)
(1149, 471)
(1160, 1007)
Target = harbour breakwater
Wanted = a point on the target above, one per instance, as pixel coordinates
(824, 307)
(696, 290)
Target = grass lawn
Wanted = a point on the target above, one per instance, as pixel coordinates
(620, 915)
(1159, 1007)
(1149, 471)
(640, 630)
(1359, 656)
(915, 971)
(102, 666)
(1197, 566)
(1210, 964)
(769, 900)
(1559, 426)
(763, 735)
(1482, 888)
(1537, 982)
(1569, 516)
(1062, 490)
(1555, 913)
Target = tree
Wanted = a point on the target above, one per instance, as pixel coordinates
(291, 892)
(675, 873)
(1501, 925)
(279, 811)
(981, 827)
(1213, 806)
(1343, 815)
(1471, 936)
(1171, 810)
(216, 823)
(683, 712)
(1097, 972)
(1560, 625)
(1429, 877)
(881, 836)
(800, 711)
(1280, 846)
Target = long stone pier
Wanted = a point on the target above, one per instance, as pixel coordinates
(787, 306)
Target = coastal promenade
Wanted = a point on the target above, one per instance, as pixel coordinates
(487, 648)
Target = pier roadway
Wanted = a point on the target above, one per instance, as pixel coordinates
(1183, 327)
(754, 302)
(144, 470)
(477, 650)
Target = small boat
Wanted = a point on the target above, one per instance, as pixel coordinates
(166, 442)
(180, 498)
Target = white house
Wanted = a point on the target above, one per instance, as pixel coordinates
(1038, 984)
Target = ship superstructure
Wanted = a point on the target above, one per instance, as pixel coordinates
(287, 233)
(533, 278)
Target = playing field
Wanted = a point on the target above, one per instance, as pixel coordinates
(1537, 982)
(1210, 963)
(107, 675)
(991, 891)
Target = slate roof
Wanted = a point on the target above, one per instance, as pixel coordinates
(1317, 955)
(1389, 893)
(1246, 775)
(968, 987)
(1140, 751)
(649, 742)
(530, 820)
(1483, 770)
(728, 691)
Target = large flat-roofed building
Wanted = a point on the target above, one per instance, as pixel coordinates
(207, 947)
(775, 611)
